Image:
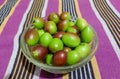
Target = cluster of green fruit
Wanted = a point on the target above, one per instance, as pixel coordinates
(59, 41)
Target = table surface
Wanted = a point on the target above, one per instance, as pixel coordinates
(102, 15)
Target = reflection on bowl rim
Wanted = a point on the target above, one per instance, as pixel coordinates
(42, 65)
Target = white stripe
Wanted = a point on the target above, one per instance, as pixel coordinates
(72, 75)
(37, 70)
(76, 74)
(113, 8)
(70, 7)
(36, 73)
(65, 5)
(75, 15)
(89, 70)
(105, 27)
(81, 77)
(85, 72)
(44, 9)
(16, 44)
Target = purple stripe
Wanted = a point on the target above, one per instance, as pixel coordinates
(52, 7)
(116, 4)
(1, 2)
(108, 62)
(8, 34)
(47, 75)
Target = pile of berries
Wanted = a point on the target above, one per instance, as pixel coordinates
(58, 41)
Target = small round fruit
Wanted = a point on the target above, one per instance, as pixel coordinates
(49, 58)
(39, 52)
(67, 49)
(71, 24)
(38, 22)
(71, 39)
(63, 25)
(59, 58)
(55, 45)
(83, 49)
(73, 57)
(65, 16)
(58, 34)
(50, 27)
(81, 23)
(31, 37)
(87, 34)
(40, 32)
(45, 39)
(73, 29)
(53, 17)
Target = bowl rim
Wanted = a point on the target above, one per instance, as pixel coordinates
(43, 66)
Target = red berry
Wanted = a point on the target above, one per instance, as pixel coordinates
(60, 58)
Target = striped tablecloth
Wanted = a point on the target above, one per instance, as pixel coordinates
(103, 15)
